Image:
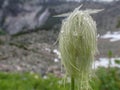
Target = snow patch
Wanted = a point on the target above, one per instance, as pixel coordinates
(57, 52)
(48, 49)
(104, 62)
(113, 36)
(56, 60)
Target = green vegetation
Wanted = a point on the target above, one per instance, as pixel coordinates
(118, 24)
(2, 32)
(117, 61)
(109, 78)
(28, 81)
(105, 80)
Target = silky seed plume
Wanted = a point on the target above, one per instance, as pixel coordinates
(78, 45)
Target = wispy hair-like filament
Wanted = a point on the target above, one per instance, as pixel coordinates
(78, 45)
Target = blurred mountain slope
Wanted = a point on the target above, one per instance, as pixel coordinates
(29, 15)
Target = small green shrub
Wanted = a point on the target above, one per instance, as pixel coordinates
(109, 78)
(117, 61)
(118, 24)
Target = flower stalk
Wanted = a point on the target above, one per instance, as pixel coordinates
(72, 84)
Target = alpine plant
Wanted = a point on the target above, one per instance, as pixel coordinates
(78, 45)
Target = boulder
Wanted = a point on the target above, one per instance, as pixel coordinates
(26, 22)
(16, 16)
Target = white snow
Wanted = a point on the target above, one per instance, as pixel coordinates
(56, 52)
(113, 36)
(48, 49)
(56, 60)
(104, 62)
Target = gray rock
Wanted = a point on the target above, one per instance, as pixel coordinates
(29, 21)
(17, 17)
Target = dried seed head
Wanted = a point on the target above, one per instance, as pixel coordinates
(78, 45)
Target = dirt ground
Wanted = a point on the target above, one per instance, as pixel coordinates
(37, 52)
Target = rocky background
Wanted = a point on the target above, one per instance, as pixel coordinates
(31, 32)
(29, 15)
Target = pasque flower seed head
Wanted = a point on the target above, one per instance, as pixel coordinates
(78, 45)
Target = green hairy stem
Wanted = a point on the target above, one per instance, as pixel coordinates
(72, 84)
